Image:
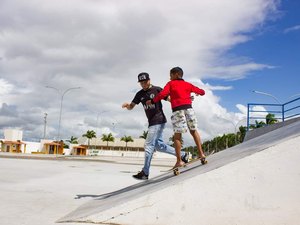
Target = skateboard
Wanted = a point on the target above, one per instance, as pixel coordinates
(176, 170)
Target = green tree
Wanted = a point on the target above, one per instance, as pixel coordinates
(241, 134)
(108, 138)
(230, 140)
(127, 139)
(144, 135)
(73, 140)
(270, 119)
(89, 135)
(258, 124)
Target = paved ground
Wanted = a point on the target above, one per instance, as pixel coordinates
(35, 192)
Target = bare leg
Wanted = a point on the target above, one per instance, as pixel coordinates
(177, 143)
(198, 143)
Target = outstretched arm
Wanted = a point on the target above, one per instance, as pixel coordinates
(128, 106)
(197, 90)
(163, 94)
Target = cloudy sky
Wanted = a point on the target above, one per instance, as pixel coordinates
(227, 48)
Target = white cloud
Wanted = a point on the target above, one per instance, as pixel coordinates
(243, 109)
(5, 87)
(234, 72)
(103, 45)
(291, 29)
(218, 87)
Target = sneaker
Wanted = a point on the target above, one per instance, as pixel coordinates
(141, 176)
(185, 158)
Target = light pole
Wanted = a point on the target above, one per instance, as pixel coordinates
(61, 104)
(45, 124)
(293, 96)
(264, 93)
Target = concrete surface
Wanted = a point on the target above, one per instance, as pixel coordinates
(40, 191)
(256, 182)
(260, 189)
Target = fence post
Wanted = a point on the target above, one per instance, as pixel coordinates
(248, 113)
(282, 108)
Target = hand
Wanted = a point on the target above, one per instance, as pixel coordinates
(148, 102)
(128, 106)
(125, 105)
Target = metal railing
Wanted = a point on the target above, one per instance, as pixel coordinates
(257, 111)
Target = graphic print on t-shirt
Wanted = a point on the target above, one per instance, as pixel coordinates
(153, 112)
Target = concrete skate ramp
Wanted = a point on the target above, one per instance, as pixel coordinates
(233, 180)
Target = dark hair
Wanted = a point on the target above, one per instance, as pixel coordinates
(177, 70)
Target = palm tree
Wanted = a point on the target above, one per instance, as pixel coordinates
(89, 135)
(270, 119)
(144, 135)
(108, 138)
(258, 124)
(241, 134)
(127, 139)
(73, 140)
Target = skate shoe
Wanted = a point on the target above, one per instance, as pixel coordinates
(140, 176)
(185, 158)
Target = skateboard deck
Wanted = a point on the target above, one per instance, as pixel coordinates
(176, 170)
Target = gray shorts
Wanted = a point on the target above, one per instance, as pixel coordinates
(184, 120)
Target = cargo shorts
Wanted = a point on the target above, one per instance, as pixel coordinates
(184, 120)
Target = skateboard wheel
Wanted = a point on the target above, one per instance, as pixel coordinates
(176, 172)
(203, 161)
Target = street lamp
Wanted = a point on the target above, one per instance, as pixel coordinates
(293, 96)
(264, 93)
(45, 124)
(61, 103)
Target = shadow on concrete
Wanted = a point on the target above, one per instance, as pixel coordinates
(215, 161)
(148, 183)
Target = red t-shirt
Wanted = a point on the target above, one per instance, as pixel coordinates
(180, 94)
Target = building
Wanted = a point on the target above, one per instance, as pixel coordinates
(116, 145)
(78, 149)
(13, 141)
(13, 146)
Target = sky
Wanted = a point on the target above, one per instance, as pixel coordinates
(227, 48)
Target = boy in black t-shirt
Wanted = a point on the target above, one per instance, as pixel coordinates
(156, 120)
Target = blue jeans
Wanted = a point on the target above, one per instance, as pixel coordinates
(154, 141)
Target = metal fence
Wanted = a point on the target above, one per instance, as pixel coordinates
(257, 112)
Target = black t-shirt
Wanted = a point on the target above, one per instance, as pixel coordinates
(154, 112)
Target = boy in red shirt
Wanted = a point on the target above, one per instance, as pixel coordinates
(183, 117)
